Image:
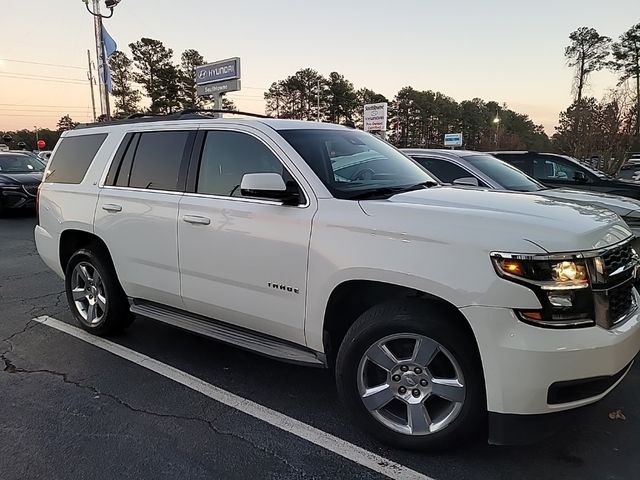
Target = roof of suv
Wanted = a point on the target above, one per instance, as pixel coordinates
(275, 123)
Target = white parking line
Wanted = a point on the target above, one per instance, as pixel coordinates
(307, 432)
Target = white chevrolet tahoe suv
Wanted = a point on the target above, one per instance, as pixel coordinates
(443, 311)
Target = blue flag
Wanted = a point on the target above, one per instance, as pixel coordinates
(110, 46)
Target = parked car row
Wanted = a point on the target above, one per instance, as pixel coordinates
(442, 309)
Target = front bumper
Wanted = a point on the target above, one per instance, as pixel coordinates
(17, 199)
(522, 362)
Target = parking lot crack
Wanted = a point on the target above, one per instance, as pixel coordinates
(11, 368)
(28, 326)
(38, 297)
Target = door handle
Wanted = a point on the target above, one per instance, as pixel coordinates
(110, 207)
(196, 220)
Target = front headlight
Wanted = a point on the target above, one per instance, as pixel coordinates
(547, 274)
(561, 284)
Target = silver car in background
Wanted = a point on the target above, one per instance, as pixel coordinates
(477, 169)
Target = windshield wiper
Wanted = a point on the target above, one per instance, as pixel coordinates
(387, 192)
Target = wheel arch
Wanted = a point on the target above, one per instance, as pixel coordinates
(72, 240)
(352, 298)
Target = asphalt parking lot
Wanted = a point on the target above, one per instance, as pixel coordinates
(71, 409)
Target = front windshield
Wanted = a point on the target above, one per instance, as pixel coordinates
(350, 162)
(509, 177)
(20, 164)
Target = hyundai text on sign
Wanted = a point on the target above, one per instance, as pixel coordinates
(218, 72)
(375, 117)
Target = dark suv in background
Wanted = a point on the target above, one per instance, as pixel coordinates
(554, 171)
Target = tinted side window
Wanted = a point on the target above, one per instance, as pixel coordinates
(156, 165)
(73, 158)
(547, 167)
(228, 156)
(447, 172)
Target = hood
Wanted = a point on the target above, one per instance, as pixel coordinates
(21, 178)
(499, 221)
(616, 203)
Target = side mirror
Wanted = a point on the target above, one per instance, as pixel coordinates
(270, 186)
(467, 181)
(580, 177)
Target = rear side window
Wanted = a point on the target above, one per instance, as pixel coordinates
(73, 158)
(157, 160)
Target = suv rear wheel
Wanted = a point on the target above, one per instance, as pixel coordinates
(94, 294)
(411, 376)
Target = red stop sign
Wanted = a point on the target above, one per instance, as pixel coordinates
(41, 144)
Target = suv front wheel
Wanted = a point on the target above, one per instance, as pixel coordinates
(411, 376)
(94, 294)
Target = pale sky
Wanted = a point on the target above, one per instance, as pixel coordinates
(505, 50)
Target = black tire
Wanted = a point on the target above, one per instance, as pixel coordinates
(429, 320)
(116, 315)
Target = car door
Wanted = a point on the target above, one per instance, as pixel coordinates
(137, 212)
(243, 260)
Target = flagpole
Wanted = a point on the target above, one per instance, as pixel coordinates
(102, 61)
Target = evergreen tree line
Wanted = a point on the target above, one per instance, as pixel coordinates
(416, 118)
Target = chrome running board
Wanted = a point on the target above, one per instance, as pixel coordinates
(239, 337)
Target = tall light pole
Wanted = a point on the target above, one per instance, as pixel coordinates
(497, 123)
(100, 51)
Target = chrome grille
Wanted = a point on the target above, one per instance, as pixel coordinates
(620, 301)
(614, 298)
(616, 258)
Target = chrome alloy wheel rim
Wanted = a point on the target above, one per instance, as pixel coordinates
(411, 384)
(89, 296)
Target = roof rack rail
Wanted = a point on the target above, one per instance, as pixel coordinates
(210, 110)
(144, 115)
(188, 114)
